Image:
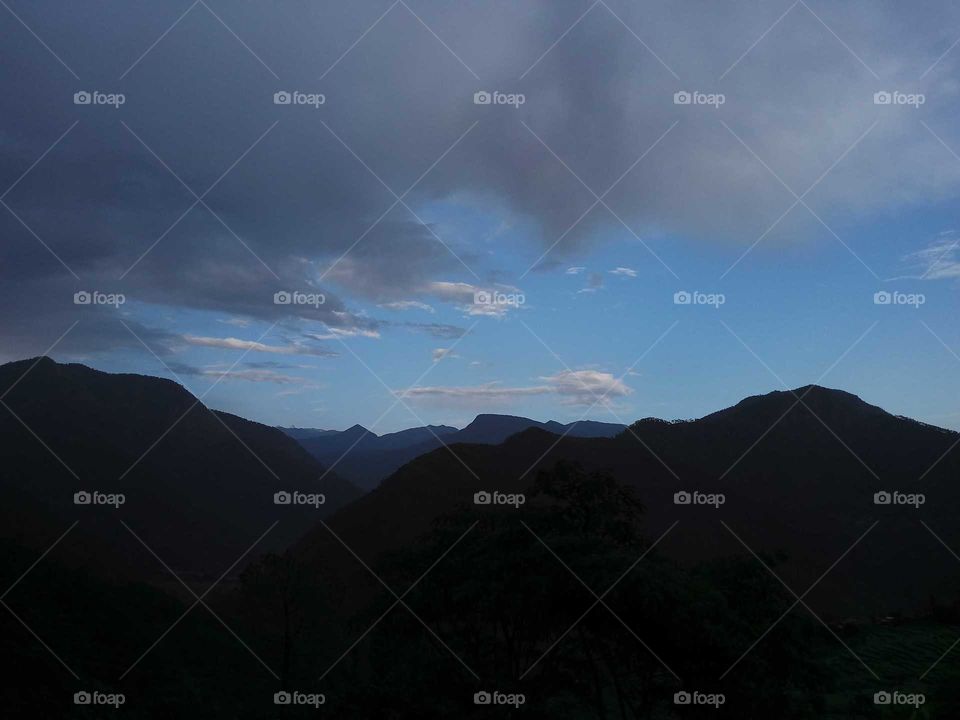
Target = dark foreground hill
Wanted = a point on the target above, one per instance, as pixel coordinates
(798, 480)
(413, 601)
(198, 485)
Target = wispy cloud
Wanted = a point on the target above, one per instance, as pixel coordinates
(624, 272)
(407, 305)
(438, 330)
(334, 333)
(246, 374)
(574, 387)
(443, 353)
(940, 260)
(231, 343)
(492, 301)
(585, 387)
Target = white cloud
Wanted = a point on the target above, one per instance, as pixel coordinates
(260, 376)
(231, 343)
(586, 387)
(443, 353)
(490, 301)
(574, 387)
(574, 270)
(624, 271)
(407, 305)
(493, 390)
(334, 333)
(938, 261)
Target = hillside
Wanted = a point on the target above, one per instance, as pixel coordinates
(798, 479)
(198, 485)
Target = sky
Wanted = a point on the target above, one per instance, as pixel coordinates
(405, 212)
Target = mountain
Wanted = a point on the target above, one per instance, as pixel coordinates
(413, 436)
(198, 485)
(494, 429)
(366, 459)
(304, 433)
(799, 480)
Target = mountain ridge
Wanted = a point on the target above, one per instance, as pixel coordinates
(198, 484)
(796, 485)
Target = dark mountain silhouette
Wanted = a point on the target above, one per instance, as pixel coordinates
(366, 459)
(413, 436)
(329, 446)
(198, 484)
(494, 429)
(304, 433)
(799, 479)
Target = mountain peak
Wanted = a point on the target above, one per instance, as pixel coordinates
(358, 429)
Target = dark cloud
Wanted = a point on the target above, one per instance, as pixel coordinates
(296, 198)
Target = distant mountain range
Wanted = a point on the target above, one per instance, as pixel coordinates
(366, 459)
(798, 470)
(799, 480)
(198, 485)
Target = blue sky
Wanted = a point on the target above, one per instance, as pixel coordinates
(799, 309)
(405, 204)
